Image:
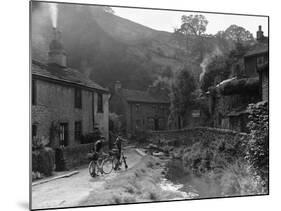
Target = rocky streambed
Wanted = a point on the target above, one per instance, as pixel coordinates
(180, 180)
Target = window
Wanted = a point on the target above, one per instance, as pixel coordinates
(100, 103)
(78, 131)
(34, 131)
(33, 92)
(77, 98)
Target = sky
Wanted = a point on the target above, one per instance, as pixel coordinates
(168, 20)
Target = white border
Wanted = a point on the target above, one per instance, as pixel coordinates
(14, 103)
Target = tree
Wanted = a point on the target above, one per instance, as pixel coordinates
(181, 92)
(216, 68)
(193, 25)
(238, 34)
(192, 31)
(224, 65)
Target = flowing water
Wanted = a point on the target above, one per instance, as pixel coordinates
(191, 186)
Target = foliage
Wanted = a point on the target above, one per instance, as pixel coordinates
(223, 66)
(193, 25)
(91, 137)
(39, 142)
(43, 158)
(222, 163)
(216, 68)
(258, 146)
(238, 34)
(192, 31)
(181, 92)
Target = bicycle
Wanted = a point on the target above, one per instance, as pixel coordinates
(102, 164)
(117, 163)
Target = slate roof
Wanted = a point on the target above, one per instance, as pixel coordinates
(239, 86)
(143, 97)
(62, 74)
(258, 49)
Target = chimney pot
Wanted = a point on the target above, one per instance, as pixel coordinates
(260, 36)
(56, 54)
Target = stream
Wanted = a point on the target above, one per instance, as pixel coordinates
(189, 185)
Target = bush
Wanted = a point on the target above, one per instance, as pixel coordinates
(258, 146)
(43, 161)
(91, 137)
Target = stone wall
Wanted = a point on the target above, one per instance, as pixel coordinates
(188, 136)
(55, 104)
(76, 155)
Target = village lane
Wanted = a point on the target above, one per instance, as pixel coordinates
(69, 191)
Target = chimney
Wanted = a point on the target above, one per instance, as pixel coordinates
(56, 54)
(118, 86)
(260, 34)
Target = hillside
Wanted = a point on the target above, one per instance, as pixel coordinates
(106, 47)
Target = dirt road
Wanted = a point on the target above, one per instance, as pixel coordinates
(70, 191)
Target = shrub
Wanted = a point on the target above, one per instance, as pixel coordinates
(91, 137)
(258, 146)
(39, 142)
(43, 161)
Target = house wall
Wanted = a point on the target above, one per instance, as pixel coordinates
(119, 106)
(130, 114)
(250, 66)
(55, 104)
(143, 115)
(224, 104)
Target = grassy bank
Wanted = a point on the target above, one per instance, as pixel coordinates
(138, 184)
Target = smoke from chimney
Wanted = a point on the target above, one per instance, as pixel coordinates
(54, 14)
(207, 59)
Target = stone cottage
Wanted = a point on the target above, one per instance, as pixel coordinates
(229, 99)
(65, 104)
(140, 110)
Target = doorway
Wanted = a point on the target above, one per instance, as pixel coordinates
(63, 134)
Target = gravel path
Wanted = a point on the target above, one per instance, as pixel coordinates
(67, 192)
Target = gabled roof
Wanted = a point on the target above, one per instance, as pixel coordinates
(143, 97)
(257, 49)
(62, 74)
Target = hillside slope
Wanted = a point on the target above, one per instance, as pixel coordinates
(106, 47)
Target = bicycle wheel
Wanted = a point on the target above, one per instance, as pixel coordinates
(107, 166)
(92, 169)
(115, 163)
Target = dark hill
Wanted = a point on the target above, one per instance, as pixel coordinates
(104, 46)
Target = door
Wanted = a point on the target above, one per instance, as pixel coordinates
(63, 134)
